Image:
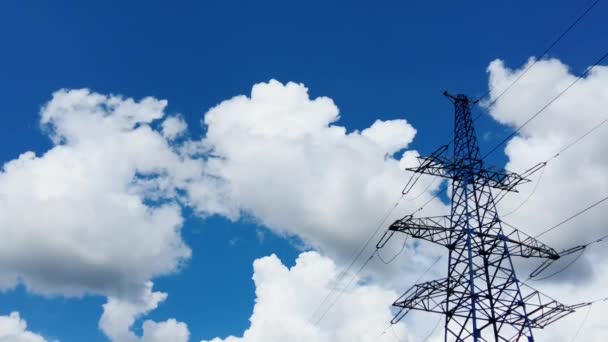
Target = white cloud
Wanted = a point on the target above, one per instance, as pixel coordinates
(391, 136)
(570, 182)
(577, 177)
(286, 298)
(168, 331)
(316, 181)
(173, 127)
(75, 220)
(98, 213)
(120, 314)
(14, 329)
(286, 162)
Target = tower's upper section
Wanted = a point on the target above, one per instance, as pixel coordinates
(466, 149)
(466, 163)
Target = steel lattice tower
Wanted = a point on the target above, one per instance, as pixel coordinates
(482, 298)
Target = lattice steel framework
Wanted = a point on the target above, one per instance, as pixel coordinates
(482, 299)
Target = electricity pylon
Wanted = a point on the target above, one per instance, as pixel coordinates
(482, 298)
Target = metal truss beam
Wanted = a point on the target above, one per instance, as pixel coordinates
(437, 230)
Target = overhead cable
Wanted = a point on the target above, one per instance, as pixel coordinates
(542, 109)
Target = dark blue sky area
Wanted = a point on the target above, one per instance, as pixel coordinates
(376, 59)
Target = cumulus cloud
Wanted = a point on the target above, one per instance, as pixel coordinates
(572, 181)
(173, 127)
(75, 219)
(99, 212)
(287, 163)
(291, 177)
(120, 314)
(286, 298)
(577, 177)
(14, 329)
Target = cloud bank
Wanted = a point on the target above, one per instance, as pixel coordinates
(100, 212)
(569, 182)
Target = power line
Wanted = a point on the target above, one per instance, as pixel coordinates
(357, 254)
(382, 333)
(596, 240)
(589, 304)
(581, 248)
(540, 177)
(433, 331)
(427, 270)
(425, 190)
(605, 299)
(416, 281)
(369, 239)
(593, 129)
(537, 59)
(572, 217)
(431, 199)
(356, 274)
(396, 254)
(540, 111)
(543, 54)
(341, 292)
(546, 162)
(395, 333)
(582, 251)
(580, 327)
(556, 155)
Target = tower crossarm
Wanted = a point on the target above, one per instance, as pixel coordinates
(439, 165)
(437, 229)
(434, 229)
(542, 310)
(523, 245)
(431, 297)
(503, 180)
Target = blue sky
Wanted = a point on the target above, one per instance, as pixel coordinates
(375, 61)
